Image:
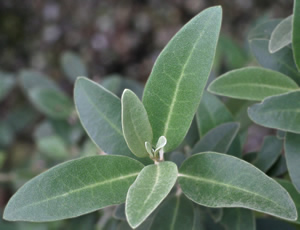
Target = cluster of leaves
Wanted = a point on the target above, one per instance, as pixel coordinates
(213, 188)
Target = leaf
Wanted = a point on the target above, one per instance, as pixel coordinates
(149, 189)
(226, 181)
(74, 188)
(176, 213)
(119, 212)
(268, 223)
(135, 124)
(294, 194)
(238, 218)
(175, 86)
(252, 83)
(296, 33)
(100, 114)
(52, 103)
(73, 65)
(218, 139)
(279, 168)
(281, 35)
(264, 30)
(269, 153)
(278, 112)
(211, 113)
(292, 154)
(7, 82)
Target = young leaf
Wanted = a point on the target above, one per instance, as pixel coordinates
(292, 153)
(135, 124)
(174, 88)
(282, 35)
(51, 102)
(219, 180)
(296, 33)
(211, 113)
(294, 194)
(100, 114)
(268, 154)
(278, 112)
(74, 188)
(176, 213)
(238, 218)
(149, 189)
(218, 139)
(252, 83)
(72, 65)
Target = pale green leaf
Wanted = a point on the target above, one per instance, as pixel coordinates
(175, 86)
(263, 30)
(149, 189)
(296, 33)
(218, 139)
(211, 113)
(238, 218)
(252, 83)
(176, 213)
(162, 141)
(51, 102)
(72, 65)
(278, 112)
(269, 153)
(281, 35)
(74, 188)
(135, 124)
(292, 154)
(219, 180)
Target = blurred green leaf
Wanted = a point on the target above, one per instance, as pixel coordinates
(278, 112)
(279, 168)
(238, 218)
(175, 86)
(54, 194)
(252, 83)
(296, 33)
(119, 212)
(214, 174)
(268, 223)
(263, 30)
(6, 134)
(7, 82)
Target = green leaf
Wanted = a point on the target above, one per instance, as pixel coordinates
(226, 181)
(176, 213)
(279, 168)
(7, 82)
(281, 35)
(218, 139)
(74, 188)
(294, 194)
(238, 218)
(135, 124)
(292, 154)
(175, 86)
(72, 65)
(296, 33)
(264, 30)
(252, 83)
(269, 153)
(149, 189)
(100, 114)
(52, 103)
(274, 224)
(211, 113)
(278, 112)
(119, 212)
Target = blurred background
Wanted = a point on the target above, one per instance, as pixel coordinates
(46, 44)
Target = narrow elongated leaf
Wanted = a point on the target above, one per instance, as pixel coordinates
(292, 155)
(176, 213)
(100, 114)
(149, 189)
(72, 65)
(174, 89)
(51, 102)
(281, 35)
(269, 153)
(218, 139)
(238, 218)
(252, 83)
(294, 194)
(211, 113)
(135, 124)
(296, 33)
(74, 188)
(218, 180)
(278, 112)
